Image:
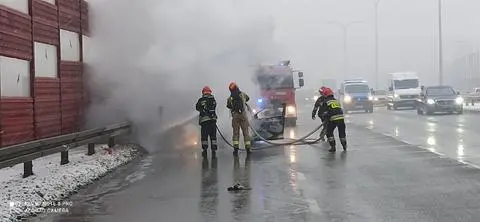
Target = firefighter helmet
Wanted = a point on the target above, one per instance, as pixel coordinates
(327, 92)
(206, 90)
(321, 90)
(232, 86)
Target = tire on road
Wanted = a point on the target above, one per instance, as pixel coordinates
(428, 112)
(369, 110)
(419, 111)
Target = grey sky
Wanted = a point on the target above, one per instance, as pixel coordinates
(408, 34)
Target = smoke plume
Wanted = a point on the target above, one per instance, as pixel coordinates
(147, 54)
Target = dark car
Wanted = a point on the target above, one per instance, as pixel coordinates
(439, 99)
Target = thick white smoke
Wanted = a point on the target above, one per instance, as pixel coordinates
(150, 53)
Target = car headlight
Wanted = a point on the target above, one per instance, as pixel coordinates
(347, 99)
(459, 100)
(376, 98)
(291, 110)
(430, 101)
(370, 98)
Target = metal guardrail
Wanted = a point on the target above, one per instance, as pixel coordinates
(27, 152)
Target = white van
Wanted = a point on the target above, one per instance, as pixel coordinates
(403, 90)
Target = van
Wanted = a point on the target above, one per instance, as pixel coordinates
(356, 95)
(403, 90)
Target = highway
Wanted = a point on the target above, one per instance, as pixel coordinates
(455, 136)
(399, 167)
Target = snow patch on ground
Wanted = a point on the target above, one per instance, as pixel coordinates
(51, 183)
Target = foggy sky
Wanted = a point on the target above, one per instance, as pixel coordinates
(407, 35)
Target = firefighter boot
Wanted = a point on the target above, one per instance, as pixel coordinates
(344, 143)
(235, 150)
(331, 141)
(204, 148)
(214, 154)
(248, 147)
(214, 149)
(235, 145)
(204, 153)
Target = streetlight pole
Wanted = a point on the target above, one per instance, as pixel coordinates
(345, 42)
(345, 52)
(377, 2)
(440, 44)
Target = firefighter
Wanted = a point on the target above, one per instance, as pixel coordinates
(206, 106)
(317, 110)
(237, 105)
(335, 118)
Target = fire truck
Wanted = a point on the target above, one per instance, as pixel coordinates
(277, 87)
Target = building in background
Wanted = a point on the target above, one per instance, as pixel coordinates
(41, 68)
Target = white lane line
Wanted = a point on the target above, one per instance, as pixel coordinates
(312, 204)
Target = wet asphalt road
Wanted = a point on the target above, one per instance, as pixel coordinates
(380, 178)
(455, 136)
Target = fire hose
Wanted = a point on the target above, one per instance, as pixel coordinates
(301, 141)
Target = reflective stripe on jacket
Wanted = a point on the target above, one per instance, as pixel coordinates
(333, 109)
(206, 106)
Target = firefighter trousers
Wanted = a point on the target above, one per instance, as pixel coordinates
(240, 121)
(209, 130)
(340, 124)
(323, 132)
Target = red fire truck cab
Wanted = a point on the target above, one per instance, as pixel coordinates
(277, 86)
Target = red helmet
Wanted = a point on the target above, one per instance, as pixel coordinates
(232, 86)
(327, 92)
(321, 90)
(206, 90)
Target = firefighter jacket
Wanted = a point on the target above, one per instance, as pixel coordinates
(206, 106)
(236, 102)
(332, 109)
(317, 107)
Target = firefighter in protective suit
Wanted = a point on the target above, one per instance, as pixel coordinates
(320, 112)
(237, 105)
(334, 118)
(206, 106)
